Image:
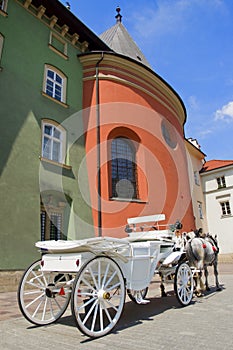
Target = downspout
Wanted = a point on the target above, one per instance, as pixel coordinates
(98, 145)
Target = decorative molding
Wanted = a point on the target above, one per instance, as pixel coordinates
(27, 3)
(53, 21)
(74, 38)
(46, 160)
(54, 100)
(84, 46)
(41, 11)
(64, 30)
(58, 52)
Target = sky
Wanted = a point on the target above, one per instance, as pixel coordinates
(189, 43)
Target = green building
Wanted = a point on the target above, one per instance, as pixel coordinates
(41, 91)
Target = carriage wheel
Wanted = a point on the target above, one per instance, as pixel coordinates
(183, 284)
(132, 294)
(98, 297)
(43, 297)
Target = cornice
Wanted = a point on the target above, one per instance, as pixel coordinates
(51, 22)
(133, 74)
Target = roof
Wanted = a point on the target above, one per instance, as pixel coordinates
(216, 164)
(119, 40)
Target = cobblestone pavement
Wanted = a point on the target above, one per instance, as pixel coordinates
(161, 324)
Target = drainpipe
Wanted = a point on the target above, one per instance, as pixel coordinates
(98, 145)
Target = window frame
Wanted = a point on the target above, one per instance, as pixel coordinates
(2, 38)
(62, 53)
(200, 210)
(53, 83)
(196, 178)
(134, 181)
(3, 6)
(226, 208)
(62, 140)
(221, 181)
(47, 225)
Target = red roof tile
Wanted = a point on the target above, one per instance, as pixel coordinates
(215, 164)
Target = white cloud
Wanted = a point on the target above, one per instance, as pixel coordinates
(193, 102)
(170, 16)
(225, 113)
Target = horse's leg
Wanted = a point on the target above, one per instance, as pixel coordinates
(206, 278)
(162, 287)
(199, 284)
(218, 288)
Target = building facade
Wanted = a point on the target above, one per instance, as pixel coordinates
(217, 184)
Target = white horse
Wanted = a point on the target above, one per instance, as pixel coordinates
(202, 252)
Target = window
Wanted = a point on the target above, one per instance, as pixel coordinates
(200, 211)
(221, 181)
(3, 5)
(52, 218)
(54, 83)
(196, 178)
(226, 210)
(53, 141)
(169, 134)
(58, 45)
(51, 226)
(123, 169)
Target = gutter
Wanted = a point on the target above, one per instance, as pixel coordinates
(98, 145)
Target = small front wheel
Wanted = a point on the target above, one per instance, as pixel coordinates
(183, 284)
(43, 297)
(98, 297)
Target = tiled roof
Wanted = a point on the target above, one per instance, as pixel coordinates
(215, 164)
(119, 40)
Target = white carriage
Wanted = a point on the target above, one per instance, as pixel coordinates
(96, 273)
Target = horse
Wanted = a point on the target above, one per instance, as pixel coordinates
(202, 251)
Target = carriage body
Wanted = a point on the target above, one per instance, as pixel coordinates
(137, 260)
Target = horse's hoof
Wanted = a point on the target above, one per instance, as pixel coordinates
(199, 294)
(219, 289)
(164, 295)
(207, 289)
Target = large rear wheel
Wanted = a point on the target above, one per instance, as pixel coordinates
(98, 297)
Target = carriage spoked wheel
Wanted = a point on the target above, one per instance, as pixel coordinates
(183, 284)
(43, 297)
(136, 295)
(98, 296)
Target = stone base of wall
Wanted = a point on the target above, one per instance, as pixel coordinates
(225, 258)
(9, 280)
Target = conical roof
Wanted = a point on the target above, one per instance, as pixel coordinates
(119, 40)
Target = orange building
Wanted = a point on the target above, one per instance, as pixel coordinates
(134, 129)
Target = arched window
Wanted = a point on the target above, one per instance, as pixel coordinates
(53, 141)
(123, 169)
(54, 83)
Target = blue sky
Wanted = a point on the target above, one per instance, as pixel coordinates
(189, 43)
